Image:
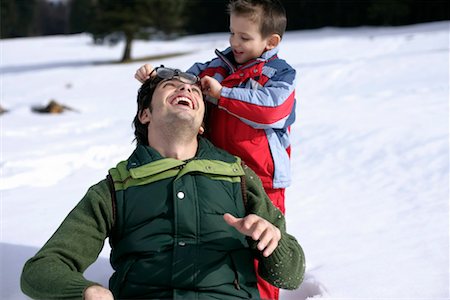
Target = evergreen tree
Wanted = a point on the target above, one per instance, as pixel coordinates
(208, 16)
(134, 18)
(17, 18)
(51, 18)
(80, 15)
(393, 12)
(8, 18)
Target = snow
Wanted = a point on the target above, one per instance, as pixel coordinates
(370, 150)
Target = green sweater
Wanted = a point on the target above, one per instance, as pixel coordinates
(78, 241)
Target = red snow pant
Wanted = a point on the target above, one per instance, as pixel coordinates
(266, 290)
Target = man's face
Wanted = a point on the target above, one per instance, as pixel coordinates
(245, 39)
(174, 101)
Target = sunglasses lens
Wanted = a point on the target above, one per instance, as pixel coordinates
(188, 78)
(166, 73)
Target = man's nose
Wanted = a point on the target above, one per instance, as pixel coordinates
(185, 87)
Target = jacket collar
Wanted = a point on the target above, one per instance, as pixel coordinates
(228, 58)
(144, 155)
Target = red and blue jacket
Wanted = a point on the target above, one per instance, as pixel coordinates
(252, 117)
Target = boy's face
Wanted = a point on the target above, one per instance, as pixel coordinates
(245, 39)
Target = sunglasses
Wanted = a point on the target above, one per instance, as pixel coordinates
(168, 74)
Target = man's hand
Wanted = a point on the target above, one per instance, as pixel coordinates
(258, 229)
(97, 292)
(211, 87)
(143, 73)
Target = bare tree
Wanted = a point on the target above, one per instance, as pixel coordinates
(135, 18)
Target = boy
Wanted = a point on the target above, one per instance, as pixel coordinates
(251, 92)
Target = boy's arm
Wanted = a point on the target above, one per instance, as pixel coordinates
(197, 68)
(285, 267)
(268, 106)
(56, 271)
(214, 68)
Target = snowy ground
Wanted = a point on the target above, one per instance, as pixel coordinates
(370, 159)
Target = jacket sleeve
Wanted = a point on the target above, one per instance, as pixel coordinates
(285, 267)
(56, 271)
(198, 68)
(262, 107)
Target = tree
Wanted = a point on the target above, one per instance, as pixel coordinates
(80, 15)
(208, 16)
(17, 18)
(133, 18)
(51, 18)
(393, 12)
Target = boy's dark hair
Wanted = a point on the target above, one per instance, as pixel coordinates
(270, 14)
(144, 99)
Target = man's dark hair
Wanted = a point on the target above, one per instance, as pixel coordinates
(270, 14)
(144, 99)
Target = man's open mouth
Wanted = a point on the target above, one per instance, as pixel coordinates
(183, 101)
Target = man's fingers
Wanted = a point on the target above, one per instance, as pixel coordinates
(269, 241)
(243, 225)
(231, 220)
(264, 240)
(270, 248)
(258, 229)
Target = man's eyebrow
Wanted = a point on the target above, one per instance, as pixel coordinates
(168, 81)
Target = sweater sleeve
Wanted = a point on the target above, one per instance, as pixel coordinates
(285, 267)
(56, 271)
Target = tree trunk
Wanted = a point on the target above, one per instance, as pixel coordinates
(127, 51)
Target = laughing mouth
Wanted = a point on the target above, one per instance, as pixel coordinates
(183, 101)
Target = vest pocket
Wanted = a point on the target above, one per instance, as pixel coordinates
(244, 272)
(118, 278)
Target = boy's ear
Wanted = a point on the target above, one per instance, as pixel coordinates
(145, 116)
(273, 41)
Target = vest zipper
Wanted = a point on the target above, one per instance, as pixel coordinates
(236, 274)
(236, 283)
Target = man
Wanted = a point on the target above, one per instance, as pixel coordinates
(184, 219)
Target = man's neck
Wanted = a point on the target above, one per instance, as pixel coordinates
(177, 147)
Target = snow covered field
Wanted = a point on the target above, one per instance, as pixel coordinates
(370, 160)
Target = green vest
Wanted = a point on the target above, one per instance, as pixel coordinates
(169, 238)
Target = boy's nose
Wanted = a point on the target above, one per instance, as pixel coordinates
(233, 41)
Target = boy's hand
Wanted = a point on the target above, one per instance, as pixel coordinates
(143, 73)
(258, 229)
(211, 87)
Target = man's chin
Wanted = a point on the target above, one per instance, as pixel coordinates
(184, 121)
